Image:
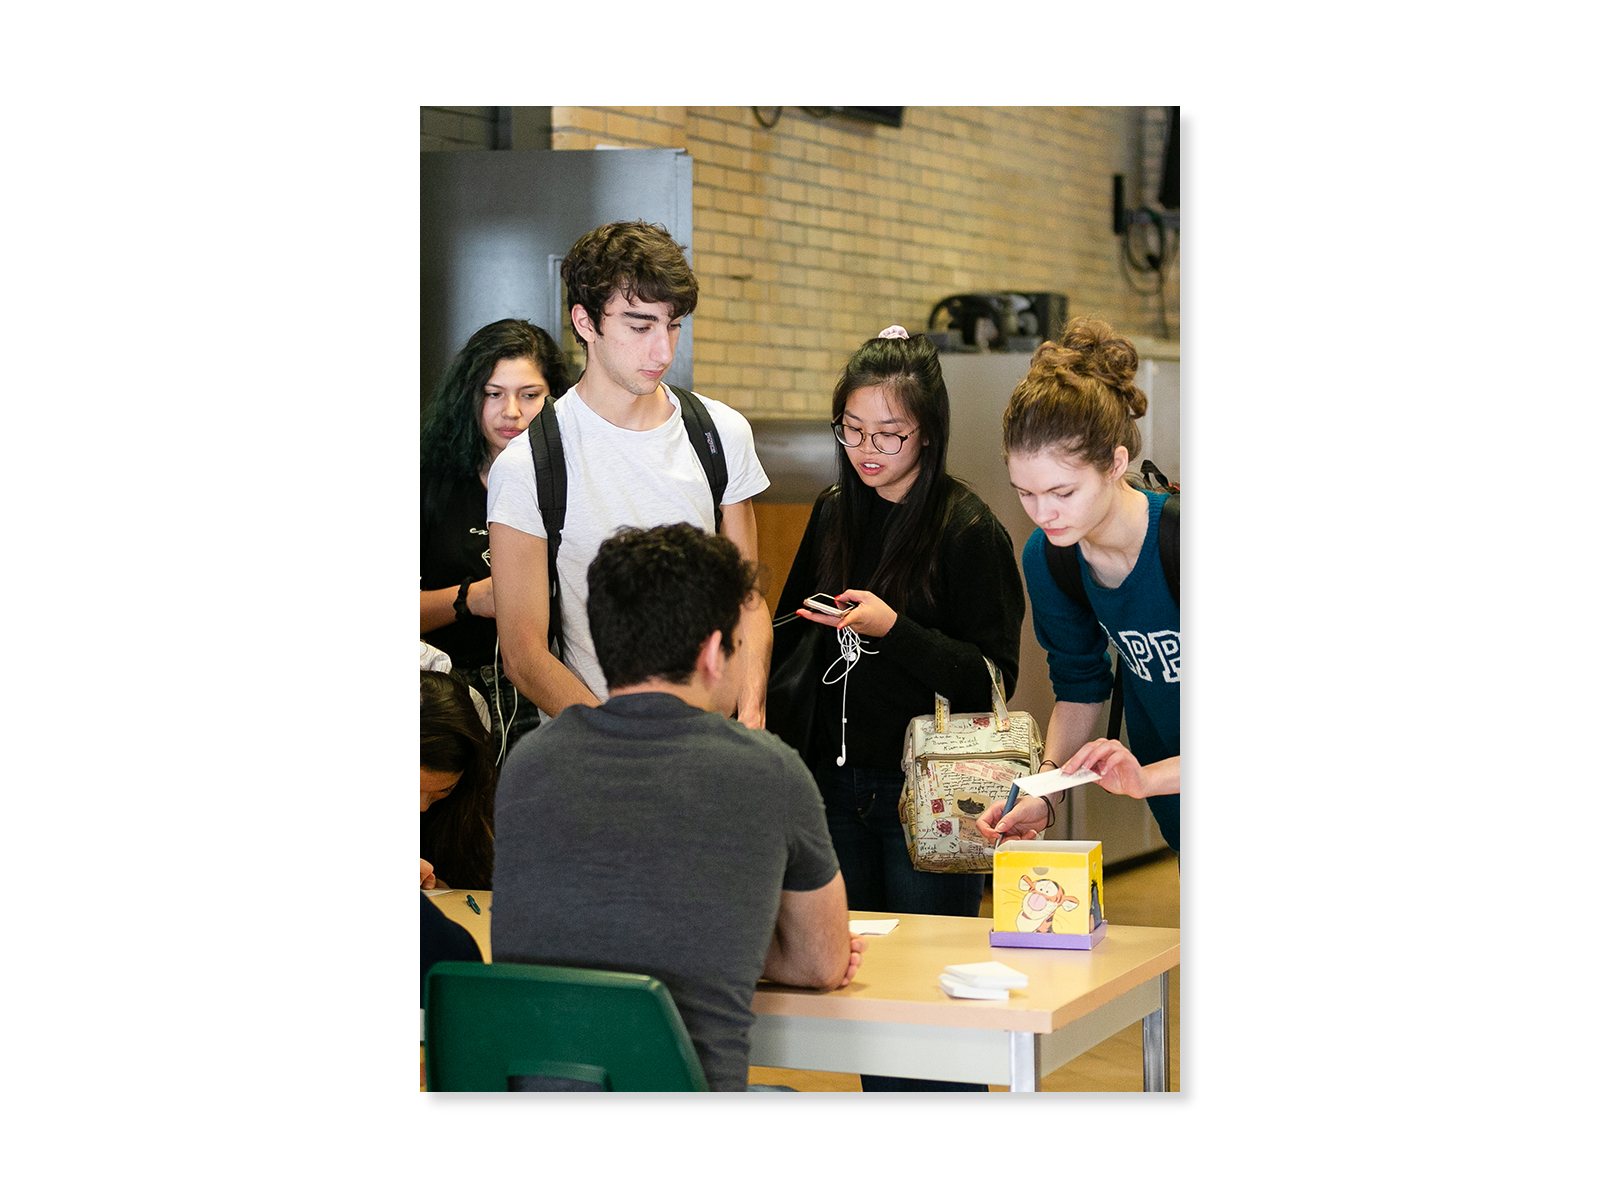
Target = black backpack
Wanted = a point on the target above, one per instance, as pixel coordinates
(550, 477)
(1063, 563)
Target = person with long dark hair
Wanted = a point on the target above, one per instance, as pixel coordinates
(1069, 435)
(458, 778)
(490, 393)
(933, 577)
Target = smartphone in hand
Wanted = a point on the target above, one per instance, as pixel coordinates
(828, 606)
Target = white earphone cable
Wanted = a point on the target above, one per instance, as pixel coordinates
(504, 731)
(850, 651)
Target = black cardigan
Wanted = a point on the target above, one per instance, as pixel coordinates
(976, 613)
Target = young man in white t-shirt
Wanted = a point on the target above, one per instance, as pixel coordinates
(629, 462)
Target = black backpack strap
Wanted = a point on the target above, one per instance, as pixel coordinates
(1064, 569)
(1068, 575)
(1167, 543)
(707, 445)
(1167, 549)
(550, 482)
(1114, 721)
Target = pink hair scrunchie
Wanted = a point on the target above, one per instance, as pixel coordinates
(894, 331)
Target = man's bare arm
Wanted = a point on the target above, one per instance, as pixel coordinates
(755, 622)
(522, 616)
(811, 946)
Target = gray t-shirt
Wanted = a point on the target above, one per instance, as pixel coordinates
(652, 837)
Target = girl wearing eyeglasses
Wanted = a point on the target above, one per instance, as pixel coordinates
(934, 581)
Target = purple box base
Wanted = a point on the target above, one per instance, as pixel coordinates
(1051, 940)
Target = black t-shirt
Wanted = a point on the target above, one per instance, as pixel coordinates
(456, 547)
(976, 613)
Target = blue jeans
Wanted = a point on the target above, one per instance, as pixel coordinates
(864, 820)
(862, 807)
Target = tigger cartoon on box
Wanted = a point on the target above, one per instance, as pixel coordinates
(1049, 894)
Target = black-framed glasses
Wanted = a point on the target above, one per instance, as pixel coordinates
(849, 435)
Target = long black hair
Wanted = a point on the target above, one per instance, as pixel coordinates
(908, 369)
(453, 448)
(458, 830)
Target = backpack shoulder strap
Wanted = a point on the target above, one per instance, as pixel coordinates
(550, 482)
(1068, 575)
(1167, 543)
(1064, 569)
(707, 445)
(1151, 474)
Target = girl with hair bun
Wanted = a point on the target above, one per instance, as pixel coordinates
(933, 577)
(1068, 436)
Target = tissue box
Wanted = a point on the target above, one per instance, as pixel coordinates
(1049, 895)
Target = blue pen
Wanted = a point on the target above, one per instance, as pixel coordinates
(1011, 802)
(471, 903)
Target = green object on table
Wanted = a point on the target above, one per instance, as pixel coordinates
(504, 1026)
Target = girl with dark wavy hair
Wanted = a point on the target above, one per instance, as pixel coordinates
(457, 787)
(1069, 435)
(489, 395)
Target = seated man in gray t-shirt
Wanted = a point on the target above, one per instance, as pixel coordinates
(654, 835)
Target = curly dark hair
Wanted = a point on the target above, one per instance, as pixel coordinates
(655, 595)
(457, 831)
(453, 448)
(638, 259)
(1078, 399)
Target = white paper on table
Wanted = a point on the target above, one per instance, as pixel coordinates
(1052, 781)
(872, 928)
(991, 974)
(957, 989)
(437, 890)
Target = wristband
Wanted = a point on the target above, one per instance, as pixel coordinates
(461, 600)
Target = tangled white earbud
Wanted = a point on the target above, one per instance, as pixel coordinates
(850, 651)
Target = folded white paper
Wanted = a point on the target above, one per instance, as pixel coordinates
(957, 989)
(871, 928)
(1052, 781)
(992, 975)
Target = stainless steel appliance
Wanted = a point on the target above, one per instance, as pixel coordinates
(497, 223)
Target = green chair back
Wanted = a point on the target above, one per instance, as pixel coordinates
(504, 1026)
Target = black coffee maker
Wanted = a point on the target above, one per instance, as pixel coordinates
(1005, 321)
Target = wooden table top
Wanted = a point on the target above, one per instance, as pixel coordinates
(454, 905)
(899, 977)
(898, 981)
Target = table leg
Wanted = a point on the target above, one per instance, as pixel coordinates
(1024, 1061)
(1157, 1049)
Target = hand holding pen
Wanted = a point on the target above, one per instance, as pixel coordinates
(1025, 815)
(1021, 817)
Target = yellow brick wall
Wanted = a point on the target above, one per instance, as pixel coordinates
(811, 236)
